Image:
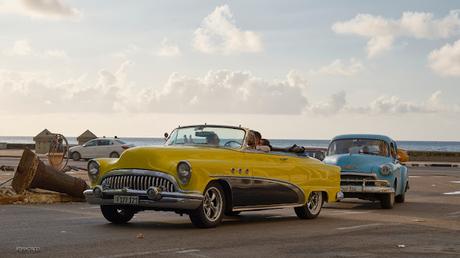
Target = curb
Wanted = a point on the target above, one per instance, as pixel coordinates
(432, 164)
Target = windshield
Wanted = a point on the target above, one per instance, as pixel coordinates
(208, 135)
(358, 146)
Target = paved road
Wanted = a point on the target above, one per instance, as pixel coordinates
(427, 225)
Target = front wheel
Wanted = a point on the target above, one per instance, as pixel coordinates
(211, 210)
(117, 215)
(313, 207)
(387, 201)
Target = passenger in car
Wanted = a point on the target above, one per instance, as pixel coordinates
(264, 145)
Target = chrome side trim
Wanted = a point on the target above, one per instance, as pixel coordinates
(265, 207)
(300, 193)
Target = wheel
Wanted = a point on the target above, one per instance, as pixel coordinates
(232, 213)
(114, 155)
(387, 201)
(402, 197)
(313, 207)
(211, 210)
(117, 215)
(76, 156)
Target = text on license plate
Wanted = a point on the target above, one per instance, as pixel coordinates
(122, 199)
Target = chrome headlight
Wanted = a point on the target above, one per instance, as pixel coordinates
(184, 172)
(385, 170)
(93, 170)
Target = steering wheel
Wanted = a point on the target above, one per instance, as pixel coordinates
(229, 143)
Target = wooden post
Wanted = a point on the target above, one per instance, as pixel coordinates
(33, 173)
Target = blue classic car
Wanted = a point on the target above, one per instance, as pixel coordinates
(370, 168)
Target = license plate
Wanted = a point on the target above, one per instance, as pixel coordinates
(122, 199)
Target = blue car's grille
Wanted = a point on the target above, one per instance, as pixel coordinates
(137, 182)
(356, 180)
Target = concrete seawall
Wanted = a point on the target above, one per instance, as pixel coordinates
(438, 156)
(414, 156)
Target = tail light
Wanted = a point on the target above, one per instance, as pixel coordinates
(125, 146)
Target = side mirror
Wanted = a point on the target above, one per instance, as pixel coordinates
(166, 135)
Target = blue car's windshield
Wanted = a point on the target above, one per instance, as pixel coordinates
(227, 137)
(358, 146)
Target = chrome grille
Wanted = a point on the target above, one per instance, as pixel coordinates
(137, 182)
(357, 180)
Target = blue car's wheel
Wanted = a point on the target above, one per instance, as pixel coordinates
(387, 201)
(402, 197)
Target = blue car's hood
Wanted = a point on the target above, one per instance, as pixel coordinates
(357, 162)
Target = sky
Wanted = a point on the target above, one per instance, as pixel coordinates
(289, 69)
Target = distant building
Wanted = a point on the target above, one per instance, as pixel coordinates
(43, 141)
(86, 136)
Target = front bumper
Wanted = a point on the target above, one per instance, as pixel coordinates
(366, 189)
(163, 200)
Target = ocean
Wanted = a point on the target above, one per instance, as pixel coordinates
(407, 145)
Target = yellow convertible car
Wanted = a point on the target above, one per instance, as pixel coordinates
(208, 171)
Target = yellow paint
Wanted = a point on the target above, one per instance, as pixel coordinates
(207, 163)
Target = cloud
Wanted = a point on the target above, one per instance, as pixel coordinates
(43, 9)
(168, 49)
(216, 92)
(127, 52)
(446, 60)
(381, 32)
(337, 103)
(19, 48)
(394, 105)
(220, 91)
(341, 68)
(224, 91)
(24, 48)
(219, 34)
(334, 104)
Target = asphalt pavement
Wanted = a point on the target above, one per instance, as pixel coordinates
(426, 225)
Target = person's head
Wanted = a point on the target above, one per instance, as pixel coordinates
(257, 136)
(213, 139)
(251, 139)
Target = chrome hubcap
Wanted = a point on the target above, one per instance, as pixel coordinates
(315, 202)
(212, 204)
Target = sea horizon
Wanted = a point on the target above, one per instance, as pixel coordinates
(453, 146)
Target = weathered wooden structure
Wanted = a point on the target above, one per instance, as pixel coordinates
(85, 136)
(43, 141)
(33, 173)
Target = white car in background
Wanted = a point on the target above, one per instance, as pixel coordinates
(99, 148)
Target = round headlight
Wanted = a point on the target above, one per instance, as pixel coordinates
(184, 172)
(93, 169)
(385, 170)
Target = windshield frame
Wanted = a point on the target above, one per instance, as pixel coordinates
(243, 144)
(357, 138)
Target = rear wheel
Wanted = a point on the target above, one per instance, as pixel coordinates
(76, 156)
(211, 210)
(117, 215)
(114, 155)
(387, 201)
(313, 207)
